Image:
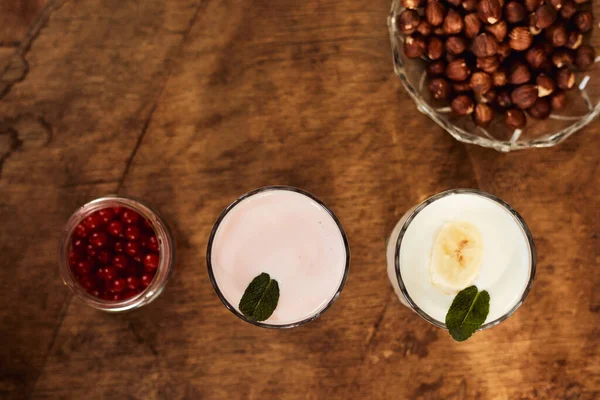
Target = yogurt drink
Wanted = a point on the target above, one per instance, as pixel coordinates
(457, 239)
(288, 234)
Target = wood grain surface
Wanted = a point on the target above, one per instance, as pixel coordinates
(187, 104)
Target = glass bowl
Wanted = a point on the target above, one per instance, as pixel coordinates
(583, 100)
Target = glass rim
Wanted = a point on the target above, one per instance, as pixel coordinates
(414, 212)
(213, 280)
(166, 261)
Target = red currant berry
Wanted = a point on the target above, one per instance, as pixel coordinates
(146, 280)
(117, 211)
(151, 261)
(132, 232)
(93, 221)
(99, 239)
(117, 297)
(132, 248)
(78, 245)
(88, 283)
(96, 293)
(130, 293)
(118, 285)
(119, 246)
(104, 257)
(130, 217)
(153, 243)
(120, 261)
(106, 215)
(132, 282)
(115, 228)
(91, 251)
(81, 231)
(107, 273)
(147, 224)
(83, 267)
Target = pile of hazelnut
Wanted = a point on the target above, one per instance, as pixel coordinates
(499, 56)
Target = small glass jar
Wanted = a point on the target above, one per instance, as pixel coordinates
(166, 248)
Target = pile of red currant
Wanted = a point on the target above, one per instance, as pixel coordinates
(114, 253)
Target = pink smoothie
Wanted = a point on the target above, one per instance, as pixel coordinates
(292, 238)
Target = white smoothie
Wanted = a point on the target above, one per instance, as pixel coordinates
(292, 238)
(505, 265)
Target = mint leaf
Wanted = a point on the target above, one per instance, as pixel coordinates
(260, 298)
(467, 313)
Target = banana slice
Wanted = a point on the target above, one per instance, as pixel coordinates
(456, 257)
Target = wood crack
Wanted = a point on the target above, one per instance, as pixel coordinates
(7, 82)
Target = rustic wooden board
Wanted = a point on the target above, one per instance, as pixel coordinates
(189, 104)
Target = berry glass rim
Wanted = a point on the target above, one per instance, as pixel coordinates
(213, 280)
(520, 221)
(165, 264)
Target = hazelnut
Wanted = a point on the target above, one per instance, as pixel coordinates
(472, 25)
(438, 31)
(514, 12)
(504, 51)
(435, 13)
(584, 21)
(499, 78)
(504, 100)
(524, 96)
(532, 5)
(451, 57)
(565, 79)
(568, 10)
(557, 35)
(519, 74)
(469, 5)
(520, 38)
(453, 23)
(535, 56)
(488, 64)
(586, 57)
(456, 44)
(581, 1)
(563, 58)
(574, 40)
(437, 67)
(545, 85)
(458, 70)
(499, 30)
(484, 45)
(481, 82)
(435, 48)
(414, 46)
(557, 4)
(514, 118)
(483, 114)
(412, 4)
(558, 101)
(486, 98)
(407, 21)
(455, 3)
(440, 89)
(545, 16)
(424, 28)
(540, 110)
(531, 20)
(462, 105)
(461, 87)
(489, 11)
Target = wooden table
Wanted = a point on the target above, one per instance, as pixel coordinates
(189, 103)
